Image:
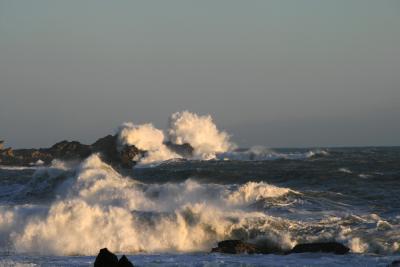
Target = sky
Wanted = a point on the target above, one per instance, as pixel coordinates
(284, 73)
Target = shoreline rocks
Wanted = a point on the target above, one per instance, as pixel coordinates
(324, 247)
(105, 258)
(240, 247)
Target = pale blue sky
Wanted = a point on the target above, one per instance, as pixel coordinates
(277, 73)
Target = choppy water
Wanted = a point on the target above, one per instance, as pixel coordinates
(172, 214)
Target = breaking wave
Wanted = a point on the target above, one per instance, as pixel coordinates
(95, 206)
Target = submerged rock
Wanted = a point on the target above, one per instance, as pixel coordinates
(106, 259)
(235, 247)
(395, 263)
(326, 247)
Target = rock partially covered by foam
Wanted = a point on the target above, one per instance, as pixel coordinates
(235, 247)
(105, 258)
(325, 247)
(185, 150)
(111, 152)
(108, 147)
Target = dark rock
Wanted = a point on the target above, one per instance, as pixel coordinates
(395, 263)
(185, 150)
(124, 262)
(107, 147)
(128, 156)
(70, 150)
(235, 247)
(326, 247)
(106, 259)
(1, 144)
(65, 150)
(125, 158)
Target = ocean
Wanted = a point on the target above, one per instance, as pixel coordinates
(172, 213)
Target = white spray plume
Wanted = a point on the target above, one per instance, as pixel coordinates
(200, 132)
(148, 138)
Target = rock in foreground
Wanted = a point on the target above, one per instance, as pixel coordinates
(325, 247)
(124, 262)
(107, 259)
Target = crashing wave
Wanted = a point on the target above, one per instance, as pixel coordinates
(95, 206)
(100, 208)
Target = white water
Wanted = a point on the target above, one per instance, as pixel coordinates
(99, 208)
(200, 132)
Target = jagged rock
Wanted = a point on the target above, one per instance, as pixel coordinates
(235, 247)
(106, 259)
(70, 150)
(326, 247)
(124, 262)
(107, 147)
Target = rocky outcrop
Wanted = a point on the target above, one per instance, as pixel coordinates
(108, 147)
(325, 247)
(107, 259)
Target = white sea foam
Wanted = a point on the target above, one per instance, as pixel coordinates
(345, 170)
(17, 168)
(261, 153)
(148, 138)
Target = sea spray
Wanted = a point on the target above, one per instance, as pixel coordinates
(147, 138)
(200, 132)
